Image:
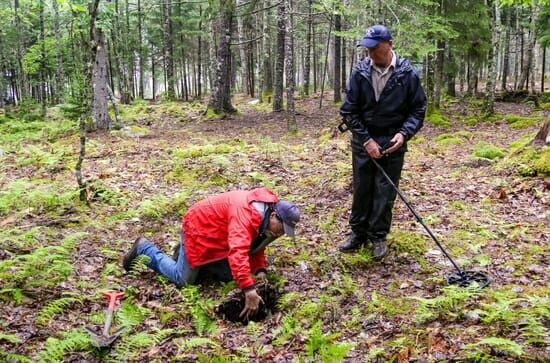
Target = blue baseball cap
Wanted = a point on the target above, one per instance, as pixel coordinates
(289, 214)
(374, 35)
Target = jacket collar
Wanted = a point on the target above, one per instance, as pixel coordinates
(402, 65)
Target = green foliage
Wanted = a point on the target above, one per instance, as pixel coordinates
(130, 346)
(41, 198)
(520, 122)
(199, 309)
(288, 328)
(130, 315)
(436, 118)
(17, 131)
(159, 206)
(320, 347)
(411, 243)
(386, 305)
(487, 151)
(71, 341)
(195, 151)
(12, 357)
(493, 343)
(57, 306)
(10, 338)
(449, 306)
(44, 267)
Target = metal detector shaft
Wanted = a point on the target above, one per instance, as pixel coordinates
(416, 215)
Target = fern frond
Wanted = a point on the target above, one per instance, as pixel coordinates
(131, 345)
(130, 314)
(55, 307)
(71, 341)
(12, 357)
(11, 338)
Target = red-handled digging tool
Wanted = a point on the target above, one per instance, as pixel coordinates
(105, 339)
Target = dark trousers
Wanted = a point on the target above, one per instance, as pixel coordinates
(373, 196)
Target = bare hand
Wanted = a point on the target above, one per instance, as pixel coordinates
(261, 276)
(251, 304)
(398, 140)
(373, 149)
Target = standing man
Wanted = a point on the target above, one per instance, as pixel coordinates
(224, 236)
(384, 107)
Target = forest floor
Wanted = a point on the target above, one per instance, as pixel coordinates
(474, 182)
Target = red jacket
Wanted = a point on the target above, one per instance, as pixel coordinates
(224, 226)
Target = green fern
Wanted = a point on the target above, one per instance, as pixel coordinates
(71, 341)
(139, 266)
(493, 343)
(12, 357)
(130, 314)
(10, 338)
(195, 342)
(199, 309)
(320, 347)
(130, 346)
(44, 267)
(449, 306)
(16, 294)
(55, 307)
(289, 325)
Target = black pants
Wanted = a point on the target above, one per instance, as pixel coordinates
(373, 196)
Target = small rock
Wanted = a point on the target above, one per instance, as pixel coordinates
(303, 266)
(417, 283)
(434, 252)
(416, 267)
(439, 356)
(404, 285)
(536, 269)
(472, 316)
(517, 289)
(254, 102)
(509, 268)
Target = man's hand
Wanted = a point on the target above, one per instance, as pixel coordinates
(398, 140)
(251, 304)
(261, 276)
(373, 149)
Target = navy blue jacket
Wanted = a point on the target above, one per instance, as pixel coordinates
(401, 107)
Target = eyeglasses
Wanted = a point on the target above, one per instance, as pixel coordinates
(279, 218)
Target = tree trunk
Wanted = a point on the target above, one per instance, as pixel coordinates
(199, 57)
(280, 65)
(23, 87)
(266, 73)
(59, 76)
(543, 68)
(141, 92)
(307, 60)
(289, 52)
(337, 58)
(543, 136)
(243, 50)
(43, 85)
(506, 47)
(528, 63)
(438, 73)
(153, 73)
(169, 49)
(495, 28)
(100, 114)
(220, 100)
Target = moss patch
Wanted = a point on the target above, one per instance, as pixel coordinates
(436, 118)
(520, 122)
(487, 151)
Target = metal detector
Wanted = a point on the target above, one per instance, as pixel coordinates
(461, 277)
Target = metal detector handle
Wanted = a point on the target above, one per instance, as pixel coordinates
(416, 215)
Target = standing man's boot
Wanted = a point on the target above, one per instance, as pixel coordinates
(353, 243)
(380, 249)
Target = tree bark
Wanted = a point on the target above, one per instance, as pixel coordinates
(100, 114)
(307, 60)
(279, 65)
(337, 58)
(495, 28)
(141, 92)
(43, 85)
(292, 126)
(169, 49)
(220, 100)
(528, 64)
(59, 75)
(543, 136)
(506, 48)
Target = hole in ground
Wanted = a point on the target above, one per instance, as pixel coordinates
(232, 307)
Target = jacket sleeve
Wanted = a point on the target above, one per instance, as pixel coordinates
(351, 108)
(257, 261)
(240, 232)
(417, 106)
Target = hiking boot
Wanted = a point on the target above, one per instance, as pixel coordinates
(380, 249)
(133, 253)
(353, 243)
